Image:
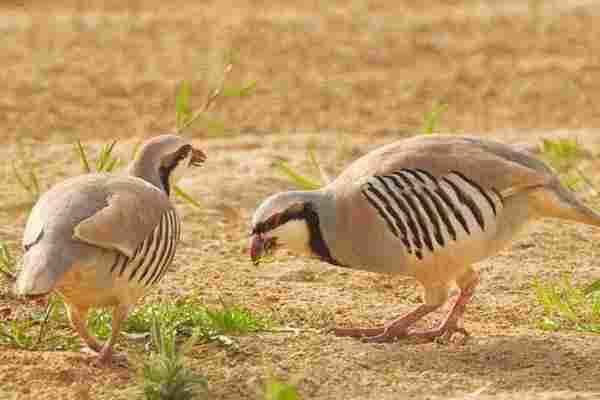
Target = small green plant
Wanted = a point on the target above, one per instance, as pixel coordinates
(29, 182)
(106, 162)
(566, 306)
(184, 117)
(432, 118)
(165, 376)
(563, 156)
(17, 333)
(234, 320)
(185, 317)
(276, 390)
(30, 333)
(8, 264)
(302, 181)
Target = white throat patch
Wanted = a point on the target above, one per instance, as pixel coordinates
(293, 234)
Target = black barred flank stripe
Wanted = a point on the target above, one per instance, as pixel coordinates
(414, 173)
(404, 206)
(468, 201)
(446, 198)
(164, 254)
(433, 217)
(154, 254)
(441, 210)
(159, 237)
(485, 195)
(387, 207)
(428, 174)
(405, 178)
(170, 250)
(418, 207)
(116, 263)
(160, 265)
(420, 220)
(399, 221)
(124, 264)
(497, 193)
(145, 246)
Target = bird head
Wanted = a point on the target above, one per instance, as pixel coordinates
(291, 220)
(164, 159)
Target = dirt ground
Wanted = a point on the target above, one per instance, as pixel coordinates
(348, 76)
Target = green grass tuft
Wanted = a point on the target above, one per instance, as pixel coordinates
(569, 307)
(184, 317)
(106, 161)
(276, 390)
(299, 180)
(165, 375)
(8, 264)
(432, 118)
(29, 182)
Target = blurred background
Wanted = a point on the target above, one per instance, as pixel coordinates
(110, 69)
(334, 80)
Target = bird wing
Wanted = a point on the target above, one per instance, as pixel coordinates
(489, 164)
(133, 209)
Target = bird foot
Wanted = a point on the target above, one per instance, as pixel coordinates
(358, 332)
(385, 334)
(105, 357)
(443, 333)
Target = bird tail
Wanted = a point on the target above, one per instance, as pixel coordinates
(38, 276)
(556, 201)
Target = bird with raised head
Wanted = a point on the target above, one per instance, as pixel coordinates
(429, 207)
(103, 240)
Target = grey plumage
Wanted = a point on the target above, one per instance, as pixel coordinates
(104, 240)
(427, 207)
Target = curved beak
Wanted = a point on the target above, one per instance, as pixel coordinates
(261, 245)
(198, 157)
(257, 248)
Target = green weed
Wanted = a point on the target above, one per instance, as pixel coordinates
(432, 118)
(276, 390)
(299, 180)
(563, 155)
(31, 333)
(17, 333)
(8, 264)
(29, 182)
(165, 375)
(569, 307)
(184, 317)
(106, 161)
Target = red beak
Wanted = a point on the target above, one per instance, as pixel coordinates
(257, 248)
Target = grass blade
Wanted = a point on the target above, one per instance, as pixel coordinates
(301, 181)
(186, 197)
(182, 104)
(240, 91)
(325, 178)
(432, 118)
(83, 158)
(594, 287)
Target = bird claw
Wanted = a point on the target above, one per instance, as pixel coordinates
(105, 358)
(442, 334)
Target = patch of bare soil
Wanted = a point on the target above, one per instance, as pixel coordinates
(360, 75)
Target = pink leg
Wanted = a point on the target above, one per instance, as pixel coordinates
(78, 320)
(105, 356)
(453, 322)
(397, 328)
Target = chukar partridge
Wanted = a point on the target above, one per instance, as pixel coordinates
(427, 207)
(103, 240)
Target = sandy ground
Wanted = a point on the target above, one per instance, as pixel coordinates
(347, 77)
